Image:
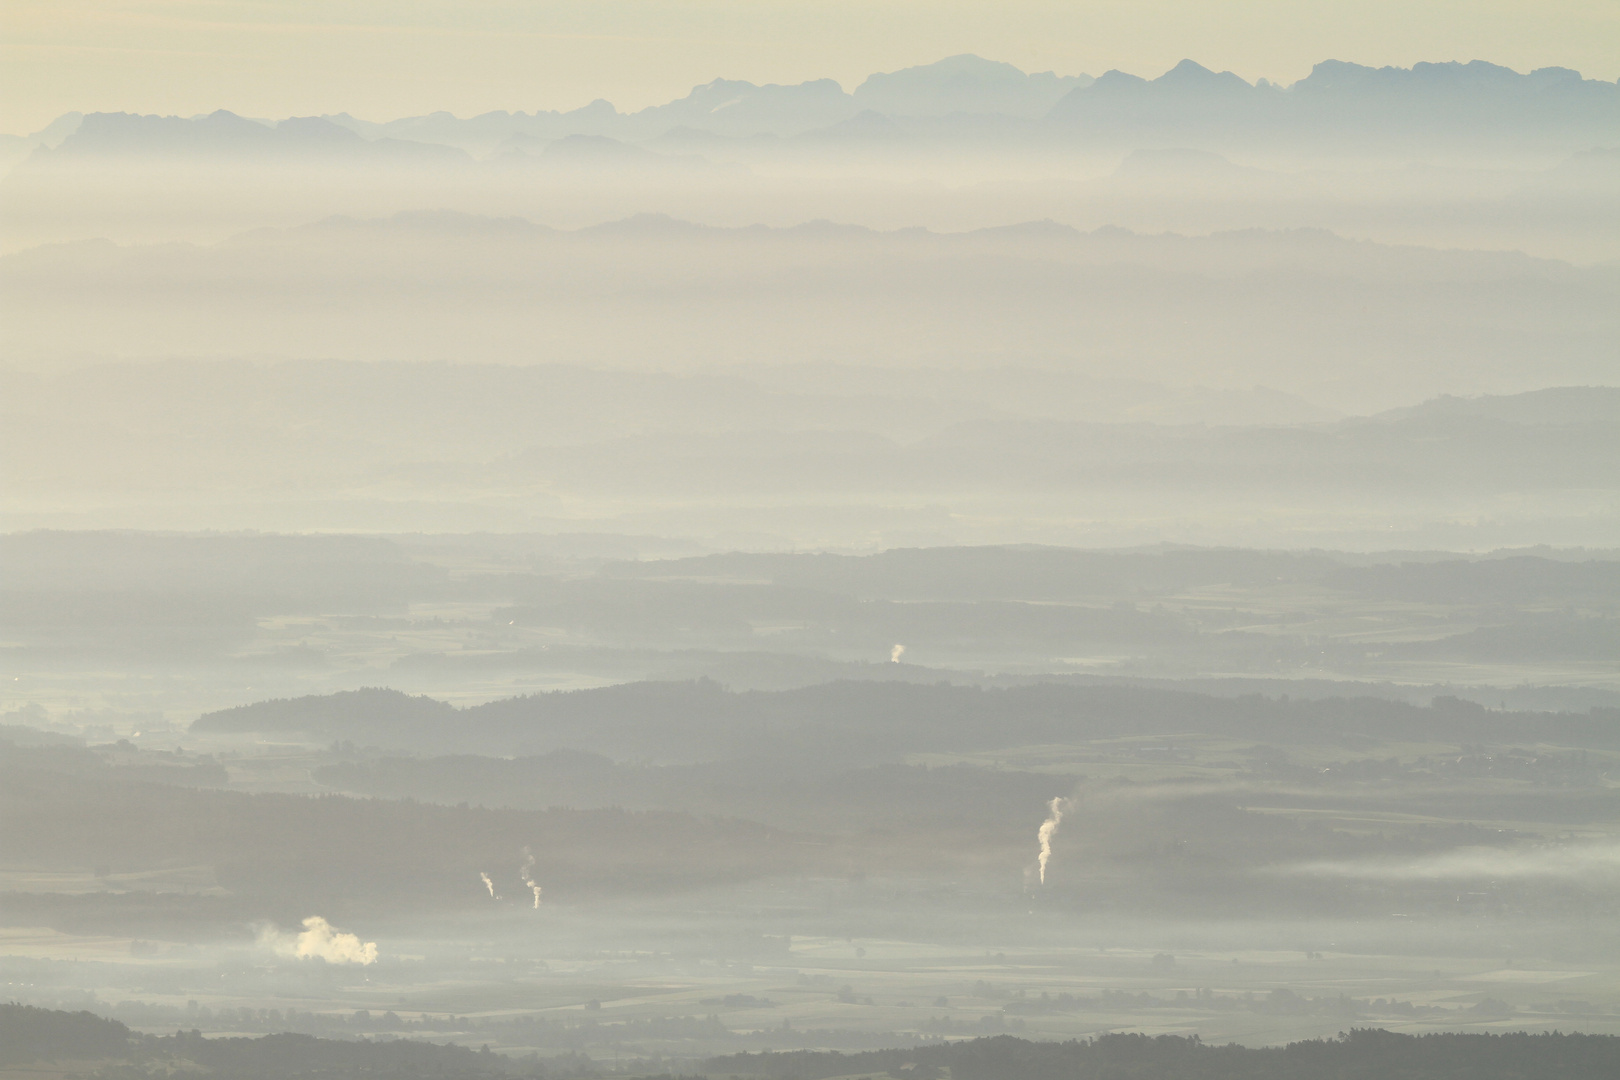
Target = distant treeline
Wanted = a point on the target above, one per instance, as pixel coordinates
(847, 723)
(98, 594)
(1033, 572)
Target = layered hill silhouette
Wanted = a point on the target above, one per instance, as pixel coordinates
(1340, 105)
(1344, 103)
(510, 290)
(223, 134)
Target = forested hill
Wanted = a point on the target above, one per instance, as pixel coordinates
(29, 1035)
(851, 722)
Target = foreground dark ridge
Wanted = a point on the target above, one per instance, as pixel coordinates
(29, 1035)
(1366, 1052)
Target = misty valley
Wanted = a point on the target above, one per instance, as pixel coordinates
(672, 807)
(983, 575)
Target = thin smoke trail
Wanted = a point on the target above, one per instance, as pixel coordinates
(526, 872)
(490, 885)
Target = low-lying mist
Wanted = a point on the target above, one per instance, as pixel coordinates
(922, 580)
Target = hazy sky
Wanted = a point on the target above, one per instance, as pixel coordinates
(385, 58)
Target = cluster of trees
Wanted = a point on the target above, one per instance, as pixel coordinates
(32, 1034)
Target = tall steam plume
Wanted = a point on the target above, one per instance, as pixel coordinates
(896, 653)
(1057, 808)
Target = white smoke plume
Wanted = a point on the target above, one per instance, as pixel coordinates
(490, 885)
(320, 940)
(1057, 808)
(526, 871)
(896, 653)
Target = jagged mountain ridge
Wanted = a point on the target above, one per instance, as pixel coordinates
(224, 133)
(964, 97)
(1458, 102)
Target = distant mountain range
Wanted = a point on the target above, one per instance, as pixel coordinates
(1339, 106)
(963, 86)
(1457, 103)
(225, 133)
